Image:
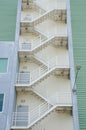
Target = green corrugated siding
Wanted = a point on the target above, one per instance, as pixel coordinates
(78, 19)
(8, 13)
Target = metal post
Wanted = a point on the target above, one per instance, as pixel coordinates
(76, 75)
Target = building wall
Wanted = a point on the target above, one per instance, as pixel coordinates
(8, 15)
(78, 20)
(6, 85)
(28, 99)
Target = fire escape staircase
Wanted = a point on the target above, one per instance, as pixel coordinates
(28, 119)
(42, 15)
(39, 44)
(42, 41)
(31, 117)
(22, 120)
(39, 73)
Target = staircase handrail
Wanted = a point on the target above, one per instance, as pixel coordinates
(38, 30)
(62, 98)
(40, 71)
(66, 96)
(40, 15)
(37, 43)
(40, 95)
(48, 64)
(54, 7)
(39, 5)
(35, 113)
(30, 17)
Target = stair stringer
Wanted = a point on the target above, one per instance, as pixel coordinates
(41, 18)
(40, 46)
(41, 96)
(41, 61)
(41, 77)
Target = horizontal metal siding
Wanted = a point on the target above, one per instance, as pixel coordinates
(8, 13)
(78, 20)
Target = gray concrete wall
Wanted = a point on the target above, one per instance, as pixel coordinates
(7, 84)
(7, 81)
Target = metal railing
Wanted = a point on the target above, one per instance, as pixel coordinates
(58, 98)
(37, 42)
(50, 5)
(37, 73)
(26, 118)
(61, 99)
(41, 15)
(28, 78)
(31, 18)
(34, 43)
(23, 78)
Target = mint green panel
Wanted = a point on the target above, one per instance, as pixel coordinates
(78, 20)
(8, 14)
(3, 65)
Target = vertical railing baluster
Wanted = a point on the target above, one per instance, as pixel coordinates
(29, 118)
(39, 111)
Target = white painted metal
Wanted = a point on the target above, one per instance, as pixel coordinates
(39, 43)
(20, 117)
(25, 120)
(62, 99)
(28, 78)
(34, 44)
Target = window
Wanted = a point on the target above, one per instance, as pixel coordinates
(1, 101)
(3, 65)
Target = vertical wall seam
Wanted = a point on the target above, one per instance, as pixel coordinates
(71, 60)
